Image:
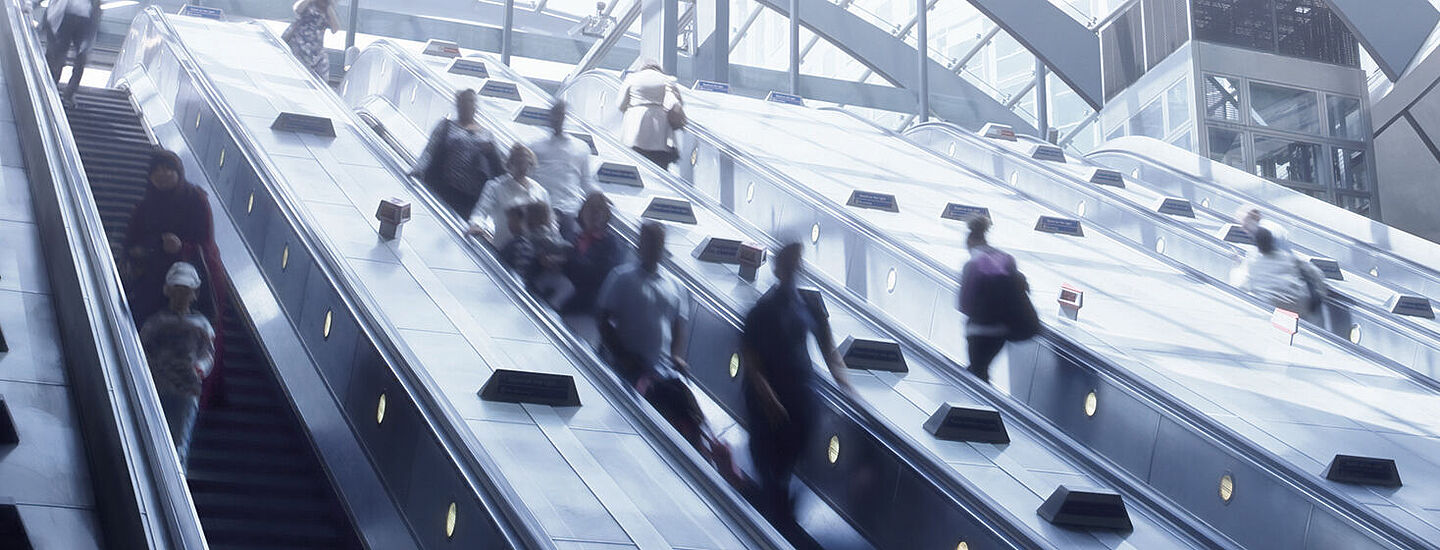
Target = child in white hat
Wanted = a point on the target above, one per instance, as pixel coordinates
(179, 344)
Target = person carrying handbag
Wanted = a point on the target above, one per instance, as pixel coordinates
(459, 158)
(653, 110)
(995, 298)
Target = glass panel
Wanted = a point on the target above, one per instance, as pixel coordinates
(1222, 98)
(1352, 169)
(1122, 52)
(1182, 141)
(1345, 117)
(1118, 132)
(1286, 161)
(1244, 23)
(1227, 146)
(1177, 104)
(1357, 204)
(1284, 108)
(1149, 122)
(1166, 28)
(1309, 30)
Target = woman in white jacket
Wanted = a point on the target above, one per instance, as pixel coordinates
(488, 219)
(1277, 276)
(646, 99)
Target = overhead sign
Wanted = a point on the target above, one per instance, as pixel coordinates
(203, 12)
(716, 250)
(674, 210)
(615, 173)
(1410, 305)
(1175, 207)
(466, 66)
(540, 388)
(995, 130)
(442, 48)
(502, 89)
(788, 99)
(1059, 226)
(305, 124)
(865, 354)
(533, 116)
(1329, 266)
(711, 86)
(964, 212)
(1106, 176)
(588, 139)
(1047, 152)
(873, 201)
(1232, 233)
(953, 422)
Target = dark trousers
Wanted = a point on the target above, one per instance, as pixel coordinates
(775, 449)
(660, 158)
(983, 350)
(74, 33)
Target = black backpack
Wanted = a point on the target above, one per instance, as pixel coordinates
(1005, 300)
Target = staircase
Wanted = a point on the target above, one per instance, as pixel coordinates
(254, 477)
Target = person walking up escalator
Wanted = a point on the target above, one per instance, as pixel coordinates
(995, 298)
(70, 24)
(653, 110)
(306, 34)
(460, 157)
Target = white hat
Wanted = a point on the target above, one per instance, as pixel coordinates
(182, 274)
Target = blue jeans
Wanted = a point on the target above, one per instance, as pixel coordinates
(180, 414)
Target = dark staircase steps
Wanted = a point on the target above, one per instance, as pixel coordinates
(254, 477)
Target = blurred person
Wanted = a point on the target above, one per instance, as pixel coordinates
(653, 109)
(537, 253)
(562, 167)
(781, 400)
(488, 218)
(1250, 218)
(595, 251)
(460, 157)
(1280, 278)
(179, 345)
(640, 309)
(306, 34)
(70, 24)
(995, 298)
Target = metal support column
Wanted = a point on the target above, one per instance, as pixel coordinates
(507, 32)
(922, 45)
(1042, 99)
(659, 32)
(354, 24)
(712, 36)
(795, 47)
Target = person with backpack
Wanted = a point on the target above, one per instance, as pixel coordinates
(653, 109)
(459, 158)
(1280, 278)
(995, 298)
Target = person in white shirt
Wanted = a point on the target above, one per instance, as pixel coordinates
(503, 193)
(179, 345)
(1278, 277)
(562, 167)
(646, 99)
(70, 24)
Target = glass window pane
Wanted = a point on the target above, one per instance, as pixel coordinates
(1284, 108)
(1352, 169)
(1227, 146)
(1122, 52)
(1243, 23)
(1149, 122)
(1283, 160)
(1309, 30)
(1118, 132)
(1357, 204)
(1345, 117)
(1177, 105)
(1222, 98)
(1182, 141)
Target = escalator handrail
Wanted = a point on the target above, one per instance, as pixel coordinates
(1182, 412)
(655, 429)
(521, 528)
(959, 490)
(151, 456)
(1430, 272)
(1419, 333)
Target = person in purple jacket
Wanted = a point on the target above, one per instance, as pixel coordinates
(994, 297)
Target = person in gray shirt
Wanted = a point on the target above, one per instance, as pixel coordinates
(640, 308)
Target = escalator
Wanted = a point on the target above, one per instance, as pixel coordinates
(254, 477)
(1191, 403)
(1366, 275)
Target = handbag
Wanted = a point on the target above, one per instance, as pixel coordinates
(675, 115)
(1315, 287)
